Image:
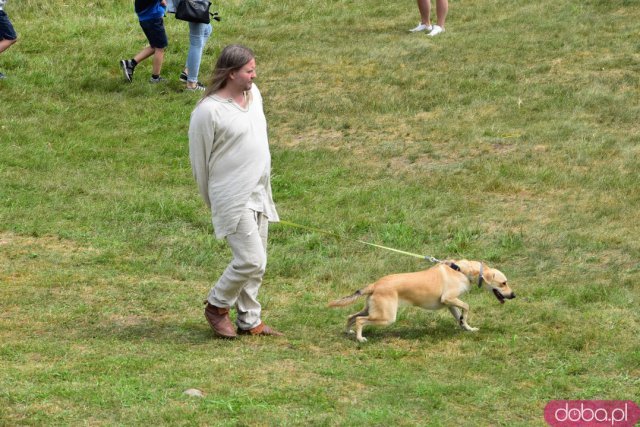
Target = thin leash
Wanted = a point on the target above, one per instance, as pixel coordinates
(387, 248)
(337, 236)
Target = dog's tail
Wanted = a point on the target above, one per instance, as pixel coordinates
(342, 302)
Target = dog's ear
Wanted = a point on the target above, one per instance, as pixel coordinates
(488, 274)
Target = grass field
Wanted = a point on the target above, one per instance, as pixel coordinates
(513, 138)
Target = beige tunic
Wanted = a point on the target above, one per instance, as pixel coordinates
(230, 159)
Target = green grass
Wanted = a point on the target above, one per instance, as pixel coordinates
(512, 138)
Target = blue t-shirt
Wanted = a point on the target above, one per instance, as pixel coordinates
(149, 9)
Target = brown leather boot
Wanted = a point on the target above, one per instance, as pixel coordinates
(219, 321)
(261, 329)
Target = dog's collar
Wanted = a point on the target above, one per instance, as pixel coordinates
(455, 267)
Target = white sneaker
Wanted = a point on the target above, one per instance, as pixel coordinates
(421, 27)
(437, 29)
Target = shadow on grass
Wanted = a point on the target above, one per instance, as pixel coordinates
(195, 332)
(158, 331)
(431, 333)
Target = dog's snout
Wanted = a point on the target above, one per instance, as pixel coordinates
(513, 295)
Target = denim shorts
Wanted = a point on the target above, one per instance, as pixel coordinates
(6, 29)
(154, 30)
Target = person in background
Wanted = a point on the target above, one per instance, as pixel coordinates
(424, 6)
(198, 35)
(8, 34)
(231, 163)
(151, 16)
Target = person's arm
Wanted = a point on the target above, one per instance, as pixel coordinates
(201, 135)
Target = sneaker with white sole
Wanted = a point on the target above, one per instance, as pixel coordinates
(199, 87)
(127, 69)
(437, 29)
(158, 80)
(421, 27)
(183, 77)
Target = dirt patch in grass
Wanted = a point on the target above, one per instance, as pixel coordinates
(12, 244)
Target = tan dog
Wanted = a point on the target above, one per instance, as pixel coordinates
(432, 289)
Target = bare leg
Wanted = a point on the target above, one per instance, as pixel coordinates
(144, 54)
(442, 8)
(158, 59)
(424, 6)
(6, 44)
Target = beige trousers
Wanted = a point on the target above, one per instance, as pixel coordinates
(239, 284)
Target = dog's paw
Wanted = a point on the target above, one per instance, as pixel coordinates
(362, 339)
(349, 332)
(470, 329)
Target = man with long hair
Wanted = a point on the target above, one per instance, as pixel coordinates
(231, 163)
